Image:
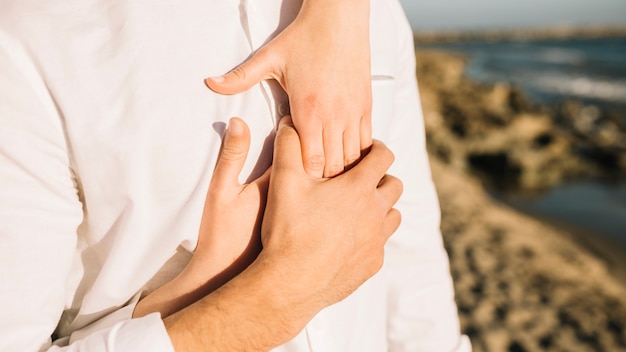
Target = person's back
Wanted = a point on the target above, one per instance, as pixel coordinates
(123, 136)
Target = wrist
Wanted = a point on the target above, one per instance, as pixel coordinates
(256, 310)
(280, 293)
(355, 11)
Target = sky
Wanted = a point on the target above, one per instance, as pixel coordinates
(477, 14)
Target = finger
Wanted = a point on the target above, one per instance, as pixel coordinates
(351, 147)
(390, 188)
(287, 151)
(232, 155)
(375, 164)
(366, 131)
(333, 151)
(257, 68)
(313, 148)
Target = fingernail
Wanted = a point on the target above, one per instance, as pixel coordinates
(234, 127)
(217, 79)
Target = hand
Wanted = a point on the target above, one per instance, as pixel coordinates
(229, 237)
(231, 221)
(332, 232)
(322, 61)
(322, 238)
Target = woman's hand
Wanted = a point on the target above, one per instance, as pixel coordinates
(322, 238)
(322, 61)
(229, 237)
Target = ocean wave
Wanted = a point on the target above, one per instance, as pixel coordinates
(536, 55)
(580, 86)
(561, 56)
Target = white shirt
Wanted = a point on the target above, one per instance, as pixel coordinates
(108, 138)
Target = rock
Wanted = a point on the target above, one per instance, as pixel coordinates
(493, 131)
(521, 285)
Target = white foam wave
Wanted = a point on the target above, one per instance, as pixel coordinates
(561, 56)
(580, 86)
(556, 56)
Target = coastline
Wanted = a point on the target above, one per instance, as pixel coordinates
(511, 34)
(522, 283)
(610, 251)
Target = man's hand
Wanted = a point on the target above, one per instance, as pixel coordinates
(322, 61)
(332, 232)
(322, 238)
(229, 238)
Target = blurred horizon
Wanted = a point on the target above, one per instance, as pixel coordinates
(450, 15)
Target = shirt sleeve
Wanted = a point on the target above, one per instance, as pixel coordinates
(40, 211)
(143, 334)
(422, 311)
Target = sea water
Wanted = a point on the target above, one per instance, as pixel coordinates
(549, 72)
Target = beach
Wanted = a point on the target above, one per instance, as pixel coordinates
(522, 283)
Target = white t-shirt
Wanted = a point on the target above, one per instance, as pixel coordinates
(108, 138)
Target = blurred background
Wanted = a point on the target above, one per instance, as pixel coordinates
(525, 112)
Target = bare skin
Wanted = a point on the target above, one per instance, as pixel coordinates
(322, 61)
(322, 238)
(230, 231)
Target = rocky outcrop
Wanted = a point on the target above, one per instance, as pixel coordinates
(521, 285)
(494, 131)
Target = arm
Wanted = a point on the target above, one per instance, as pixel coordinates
(39, 180)
(322, 61)
(35, 182)
(302, 268)
(40, 212)
(229, 237)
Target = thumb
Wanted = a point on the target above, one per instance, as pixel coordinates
(232, 155)
(287, 150)
(257, 68)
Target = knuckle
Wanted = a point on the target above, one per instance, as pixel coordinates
(232, 153)
(342, 108)
(314, 162)
(239, 72)
(377, 261)
(396, 183)
(400, 186)
(334, 170)
(396, 216)
(324, 109)
(386, 152)
(395, 220)
(313, 106)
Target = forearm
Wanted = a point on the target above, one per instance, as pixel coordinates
(255, 311)
(172, 297)
(203, 275)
